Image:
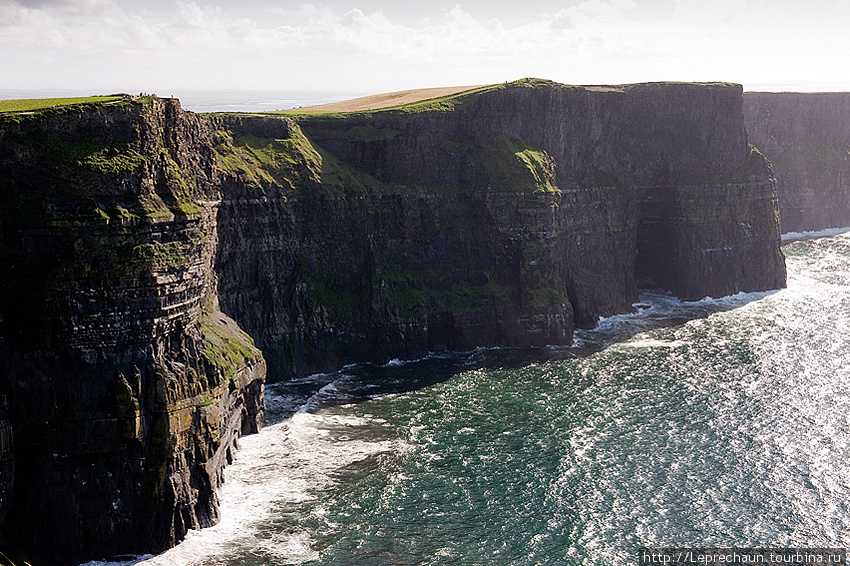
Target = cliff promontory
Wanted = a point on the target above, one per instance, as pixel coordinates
(499, 218)
(806, 137)
(123, 388)
(138, 241)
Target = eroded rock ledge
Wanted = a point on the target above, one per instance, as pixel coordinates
(500, 219)
(124, 387)
(806, 137)
(138, 240)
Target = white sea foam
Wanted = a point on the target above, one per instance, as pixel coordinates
(283, 465)
(792, 236)
(654, 343)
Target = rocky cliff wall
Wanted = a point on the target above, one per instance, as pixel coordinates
(806, 137)
(136, 239)
(124, 389)
(502, 218)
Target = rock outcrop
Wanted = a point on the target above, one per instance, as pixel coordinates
(136, 239)
(806, 137)
(123, 388)
(495, 219)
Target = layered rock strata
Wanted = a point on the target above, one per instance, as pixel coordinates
(124, 388)
(136, 239)
(806, 137)
(495, 219)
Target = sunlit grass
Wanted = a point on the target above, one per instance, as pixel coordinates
(30, 104)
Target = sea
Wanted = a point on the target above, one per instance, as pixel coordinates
(199, 101)
(722, 422)
(715, 423)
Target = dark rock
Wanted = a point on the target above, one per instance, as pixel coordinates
(504, 218)
(502, 221)
(120, 396)
(806, 137)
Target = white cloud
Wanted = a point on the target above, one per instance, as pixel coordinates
(197, 44)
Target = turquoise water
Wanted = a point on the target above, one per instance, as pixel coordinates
(728, 428)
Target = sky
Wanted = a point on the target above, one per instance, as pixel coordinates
(372, 46)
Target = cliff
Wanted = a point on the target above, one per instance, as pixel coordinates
(138, 240)
(123, 387)
(500, 218)
(806, 137)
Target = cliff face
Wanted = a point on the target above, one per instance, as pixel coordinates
(124, 389)
(502, 218)
(806, 137)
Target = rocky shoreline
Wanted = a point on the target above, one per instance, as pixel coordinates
(148, 255)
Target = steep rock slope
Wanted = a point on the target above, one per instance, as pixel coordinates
(124, 388)
(502, 217)
(136, 239)
(806, 137)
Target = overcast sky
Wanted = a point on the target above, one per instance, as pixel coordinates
(369, 46)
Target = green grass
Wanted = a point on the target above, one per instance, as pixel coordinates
(91, 154)
(413, 293)
(511, 165)
(31, 104)
(262, 162)
(227, 346)
(162, 257)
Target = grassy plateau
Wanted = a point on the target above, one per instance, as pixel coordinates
(32, 104)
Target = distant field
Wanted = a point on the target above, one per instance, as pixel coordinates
(387, 100)
(26, 105)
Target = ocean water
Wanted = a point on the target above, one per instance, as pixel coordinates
(721, 422)
(222, 100)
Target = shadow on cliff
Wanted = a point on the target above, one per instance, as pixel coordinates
(361, 382)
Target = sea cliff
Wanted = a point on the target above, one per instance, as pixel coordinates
(806, 137)
(138, 241)
(123, 386)
(502, 218)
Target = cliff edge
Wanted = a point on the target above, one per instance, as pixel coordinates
(137, 241)
(806, 137)
(123, 388)
(501, 217)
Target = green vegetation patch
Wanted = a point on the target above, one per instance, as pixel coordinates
(32, 104)
(340, 176)
(150, 206)
(263, 162)
(415, 293)
(173, 255)
(187, 208)
(510, 164)
(295, 163)
(88, 153)
(226, 345)
(336, 297)
(113, 161)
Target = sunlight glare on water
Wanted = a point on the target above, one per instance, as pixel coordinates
(729, 429)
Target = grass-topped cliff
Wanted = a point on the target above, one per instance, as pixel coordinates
(123, 386)
(806, 137)
(144, 251)
(492, 216)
